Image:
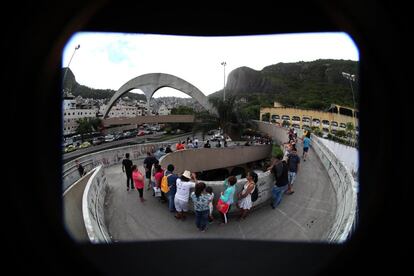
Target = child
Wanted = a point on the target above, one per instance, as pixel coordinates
(209, 191)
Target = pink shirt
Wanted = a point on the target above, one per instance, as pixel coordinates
(136, 175)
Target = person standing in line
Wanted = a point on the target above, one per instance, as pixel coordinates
(168, 149)
(138, 179)
(159, 153)
(148, 162)
(190, 144)
(159, 173)
(207, 144)
(306, 145)
(280, 173)
(182, 194)
(228, 196)
(81, 169)
(171, 178)
(209, 191)
(245, 198)
(127, 169)
(201, 208)
(293, 161)
(180, 145)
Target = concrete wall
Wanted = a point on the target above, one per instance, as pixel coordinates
(202, 159)
(341, 179)
(214, 158)
(343, 184)
(105, 158)
(93, 201)
(265, 184)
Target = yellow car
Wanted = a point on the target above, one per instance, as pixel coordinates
(84, 145)
(70, 148)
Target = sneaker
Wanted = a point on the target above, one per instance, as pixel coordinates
(127, 189)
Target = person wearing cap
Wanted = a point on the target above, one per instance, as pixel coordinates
(182, 194)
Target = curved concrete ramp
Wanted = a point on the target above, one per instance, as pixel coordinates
(307, 215)
(214, 158)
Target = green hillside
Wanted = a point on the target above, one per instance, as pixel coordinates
(87, 92)
(310, 85)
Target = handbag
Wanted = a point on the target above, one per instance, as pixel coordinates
(157, 192)
(222, 206)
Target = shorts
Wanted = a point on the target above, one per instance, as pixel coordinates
(180, 205)
(305, 149)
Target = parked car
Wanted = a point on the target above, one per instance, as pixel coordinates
(70, 148)
(109, 138)
(98, 140)
(85, 145)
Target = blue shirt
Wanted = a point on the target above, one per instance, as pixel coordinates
(306, 142)
(172, 181)
(200, 203)
(229, 194)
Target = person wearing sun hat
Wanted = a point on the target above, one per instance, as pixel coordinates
(182, 195)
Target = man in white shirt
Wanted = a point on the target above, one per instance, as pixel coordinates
(182, 195)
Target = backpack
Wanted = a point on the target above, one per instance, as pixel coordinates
(255, 193)
(164, 184)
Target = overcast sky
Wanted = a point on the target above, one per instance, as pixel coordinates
(108, 60)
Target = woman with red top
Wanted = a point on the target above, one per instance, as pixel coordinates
(138, 179)
(159, 173)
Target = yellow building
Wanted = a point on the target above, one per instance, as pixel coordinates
(332, 120)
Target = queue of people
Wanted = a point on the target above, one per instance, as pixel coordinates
(175, 190)
(286, 167)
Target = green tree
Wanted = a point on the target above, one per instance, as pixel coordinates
(350, 129)
(87, 125)
(84, 126)
(181, 110)
(230, 118)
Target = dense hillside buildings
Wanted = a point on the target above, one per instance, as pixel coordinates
(73, 110)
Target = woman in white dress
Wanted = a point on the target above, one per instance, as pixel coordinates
(245, 198)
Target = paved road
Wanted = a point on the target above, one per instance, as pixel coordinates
(307, 215)
(114, 144)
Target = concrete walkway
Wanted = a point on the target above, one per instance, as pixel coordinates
(306, 215)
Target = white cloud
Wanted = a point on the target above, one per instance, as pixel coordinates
(108, 60)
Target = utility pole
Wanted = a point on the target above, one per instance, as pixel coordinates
(351, 79)
(224, 78)
(67, 68)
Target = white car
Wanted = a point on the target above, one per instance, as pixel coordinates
(109, 138)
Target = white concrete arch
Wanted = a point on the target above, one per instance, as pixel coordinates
(150, 83)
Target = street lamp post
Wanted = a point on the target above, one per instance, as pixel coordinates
(64, 76)
(224, 80)
(351, 78)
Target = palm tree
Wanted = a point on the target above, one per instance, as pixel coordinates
(350, 129)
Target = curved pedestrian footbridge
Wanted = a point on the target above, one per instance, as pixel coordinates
(322, 208)
(305, 215)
